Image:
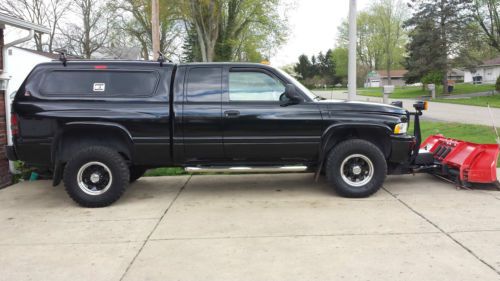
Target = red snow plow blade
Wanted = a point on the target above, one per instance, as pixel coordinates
(465, 161)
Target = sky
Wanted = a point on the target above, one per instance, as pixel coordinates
(313, 27)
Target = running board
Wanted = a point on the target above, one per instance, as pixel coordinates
(239, 170)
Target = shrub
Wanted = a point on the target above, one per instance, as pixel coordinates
(497, 86)
(433, 77)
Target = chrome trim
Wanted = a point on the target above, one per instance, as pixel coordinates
(271, 169)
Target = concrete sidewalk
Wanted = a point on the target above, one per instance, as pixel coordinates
(438, 111)
(252, 227)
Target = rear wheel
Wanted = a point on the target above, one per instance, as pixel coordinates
(356, 168)
(136, 173)
(96, 177)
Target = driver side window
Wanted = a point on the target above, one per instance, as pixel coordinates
(254, 86)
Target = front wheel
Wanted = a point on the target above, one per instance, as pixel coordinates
(96, 177)
(356, 168)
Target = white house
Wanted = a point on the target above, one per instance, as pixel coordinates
(18, 62)
(487, 73)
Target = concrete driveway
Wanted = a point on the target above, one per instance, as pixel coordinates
(252, 227)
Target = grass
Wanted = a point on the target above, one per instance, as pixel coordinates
(466, 132)
(160, 172)
(493, 101)
(416, 92)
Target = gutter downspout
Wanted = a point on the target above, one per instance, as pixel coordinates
(7, 95)
(20, 40)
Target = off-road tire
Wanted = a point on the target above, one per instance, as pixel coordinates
(344, 151)
(117, 166)
(136, 173)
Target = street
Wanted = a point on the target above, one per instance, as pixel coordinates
(438, 111)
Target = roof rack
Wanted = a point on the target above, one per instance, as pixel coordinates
(62, 58)
(161, 58)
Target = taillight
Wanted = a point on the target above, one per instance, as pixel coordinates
(14, 129)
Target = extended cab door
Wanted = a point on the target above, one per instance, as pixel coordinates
(258, 128)
(201, 114)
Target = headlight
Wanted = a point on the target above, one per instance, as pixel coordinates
(401, 128)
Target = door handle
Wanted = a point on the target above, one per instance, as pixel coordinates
(231, 113)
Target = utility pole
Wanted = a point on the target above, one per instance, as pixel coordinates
(155, 27)
(351, 73)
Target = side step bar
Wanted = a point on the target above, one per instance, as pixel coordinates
(240, 170)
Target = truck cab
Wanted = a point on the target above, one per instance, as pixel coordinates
(99, 125)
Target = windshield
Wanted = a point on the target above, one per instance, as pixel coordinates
(297, 84)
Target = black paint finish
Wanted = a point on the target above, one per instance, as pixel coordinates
(189, 119)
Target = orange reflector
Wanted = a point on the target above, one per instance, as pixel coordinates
(426, 105)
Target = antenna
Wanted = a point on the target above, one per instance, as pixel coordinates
(62, 58)
(161, 58)
(494, 126)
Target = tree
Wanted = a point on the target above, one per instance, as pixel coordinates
(486, 12)
(91, 34)
(445, 19)
(248, 23)
(43, 12)
(133, 17)
(369, 51)
(424, 52)
(381, 37)
(205, 17)
(230, 30)
(389, 16)
(340, 59)
(303, 67)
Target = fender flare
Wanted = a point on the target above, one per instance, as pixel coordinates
(328, 135)
(55, 148)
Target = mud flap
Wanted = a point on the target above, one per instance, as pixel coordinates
(58, 173)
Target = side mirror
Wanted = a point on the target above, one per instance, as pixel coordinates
(291, 96)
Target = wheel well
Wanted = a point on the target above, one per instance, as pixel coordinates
(73, 139)
(377, 136)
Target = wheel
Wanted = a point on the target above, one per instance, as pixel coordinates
(136, 172)
(96, 177)
(356, 168)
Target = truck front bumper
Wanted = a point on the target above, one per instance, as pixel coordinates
(11, 153)
(401, 148)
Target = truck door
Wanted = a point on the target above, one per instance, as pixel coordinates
(258, 128)
(201, 114)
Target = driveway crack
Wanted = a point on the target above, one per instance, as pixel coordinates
(443, 232)
(156, 226)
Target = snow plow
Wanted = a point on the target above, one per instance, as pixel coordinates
(465, 163)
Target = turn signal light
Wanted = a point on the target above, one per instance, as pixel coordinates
(421, 105)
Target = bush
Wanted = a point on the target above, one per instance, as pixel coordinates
(433, 77)
(497, 86)
(24, 172)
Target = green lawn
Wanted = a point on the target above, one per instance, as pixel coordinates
(493, 101)
(472, 133)
(416, 92)
(159, 172)
(466, 132)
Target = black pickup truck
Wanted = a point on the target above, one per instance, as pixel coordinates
(99, 125)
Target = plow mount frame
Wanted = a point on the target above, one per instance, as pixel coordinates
(462, 162)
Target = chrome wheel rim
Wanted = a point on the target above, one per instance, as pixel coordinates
(94, 178)
(356, 170)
